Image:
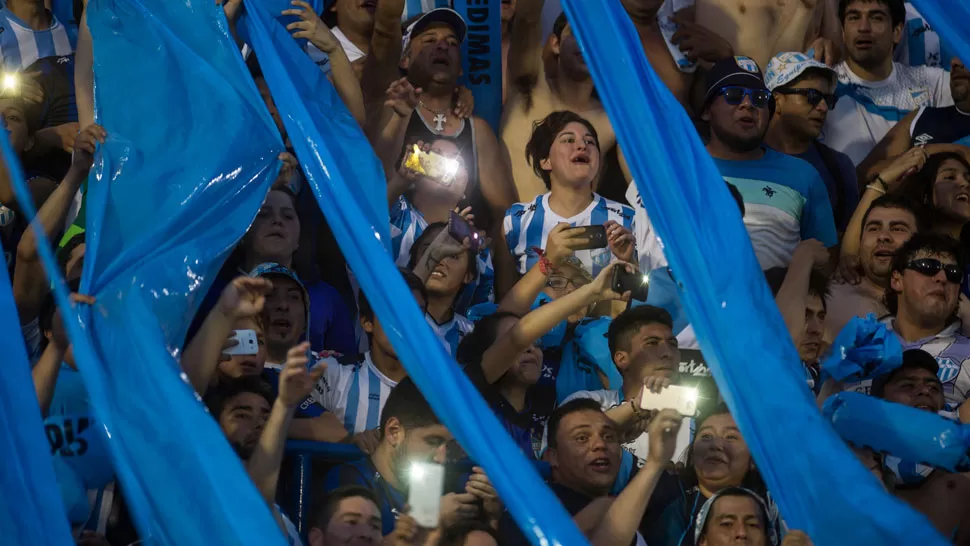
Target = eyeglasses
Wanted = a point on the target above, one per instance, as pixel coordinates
(930, 267)
(812, 96)
(734, 95)
(559, 283)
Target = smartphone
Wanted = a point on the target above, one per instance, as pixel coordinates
(460, 229)
(638, 284)
(433, 165)
(425, 487)
(248, 345)
(596, 235)
(682, 399)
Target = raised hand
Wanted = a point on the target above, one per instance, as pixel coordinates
(311, 27)
(244, 297)
(84, 145)
(602, 285)
(620, 240)
(464, 103)
(663, 431)
(402, 97)
(296, 381)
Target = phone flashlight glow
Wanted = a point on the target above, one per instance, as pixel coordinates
(10, 82)
(691, 395)
(418, 472)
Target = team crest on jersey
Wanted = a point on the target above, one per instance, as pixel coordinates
(949, 370)
(602, 258)
(747, 64)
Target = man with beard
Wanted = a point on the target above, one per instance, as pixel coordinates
(938, 129)
(411, 432)
(784, 197)
(874, 92)
(888, 223)
(804, 92)
(922, 298)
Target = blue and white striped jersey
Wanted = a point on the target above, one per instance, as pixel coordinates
(452, 332)
(414, 7)
(527, 225)
(920, 45)
(21, 46)
(355, 393)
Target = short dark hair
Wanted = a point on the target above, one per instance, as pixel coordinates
(560, 413)
(414, 284)
(746, 493)
(919, 187)
(559, 25)
(455, 535)
(897, 9)
(406, 404)
(628, 323)
(430, 233)
(930, 243)
(544, 135)
(218, 396)
(752, 479)
(473, 346)
(331, 502)
(899, 202)
(818, 284)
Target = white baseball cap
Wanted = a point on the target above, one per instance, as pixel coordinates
(783, 68)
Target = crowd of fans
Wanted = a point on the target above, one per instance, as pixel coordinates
(840, 126)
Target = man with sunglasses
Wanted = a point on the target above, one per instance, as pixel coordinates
(804, 93)
(922, 299)
(785, 199)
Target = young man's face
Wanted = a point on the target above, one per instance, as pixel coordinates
(587, 452)
(653, 352)
(923, 298)
(284, 313)
(917, 388)
(14, 119)
(798, 115)
(811, 339)
(275, 233)
(246, 365)
(433, 56)
(356, 522)
(570, 55)
(242, 421)
(885, 230)
(735, 520)
(868, 32)
(574, 157)
(379, 340)
(740, 127)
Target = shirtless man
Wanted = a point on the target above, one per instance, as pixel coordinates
(761, 29)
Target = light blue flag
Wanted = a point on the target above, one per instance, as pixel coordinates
(33, 512)
(336, 158)
(481, 56)
(823, 490)
(950, 20)
(190, 155)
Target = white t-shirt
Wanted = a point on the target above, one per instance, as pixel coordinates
(867, 110)
(640, 447)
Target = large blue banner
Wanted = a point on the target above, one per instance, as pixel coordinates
(33, 512)
(822, 489)
(481, 55)
(336, 158)
(191, 152)
(950, 20)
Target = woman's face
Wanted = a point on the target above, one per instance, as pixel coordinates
(275, 233)
(574, 157)
(563, 282)
(951, 190)
(246, 365)
(721, 458)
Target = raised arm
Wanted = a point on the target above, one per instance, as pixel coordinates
(84, 73)
(809, 254)
(381, 64)
(29, 280)
(498, 357)
(387, 133)
(893, 145)
(525, 45)
(48, 367)
(296, 382)
(559, 245)
(312, 28)
(243, 298)
(498, 190)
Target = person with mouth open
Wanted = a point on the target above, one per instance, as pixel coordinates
(874, 92)
(942, 496)
(922, 299)
(784, 197)
(804, 92)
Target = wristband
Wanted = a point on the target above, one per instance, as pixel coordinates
(545, 265)
(874, 187)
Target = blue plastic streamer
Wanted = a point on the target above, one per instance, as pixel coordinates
(336, 159)
(481, 55)
(908, 433)
(950, 20)
(739, 327)
(27, 473)
(190, 155)
(864, 349)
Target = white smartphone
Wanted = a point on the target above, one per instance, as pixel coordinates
(248, 345)
(427, 483)
(682, 399)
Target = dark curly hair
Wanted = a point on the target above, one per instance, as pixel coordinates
(544, 134)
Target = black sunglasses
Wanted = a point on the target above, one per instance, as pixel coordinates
(930, 267)
(734, 95)
(812, 96)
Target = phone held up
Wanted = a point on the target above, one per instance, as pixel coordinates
(427, 483)
(596, 236)
(460, 229)
(682, 399)
(248, 344)
(638, 284)
(435, 166)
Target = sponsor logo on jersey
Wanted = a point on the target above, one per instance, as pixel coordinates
(923, 138)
